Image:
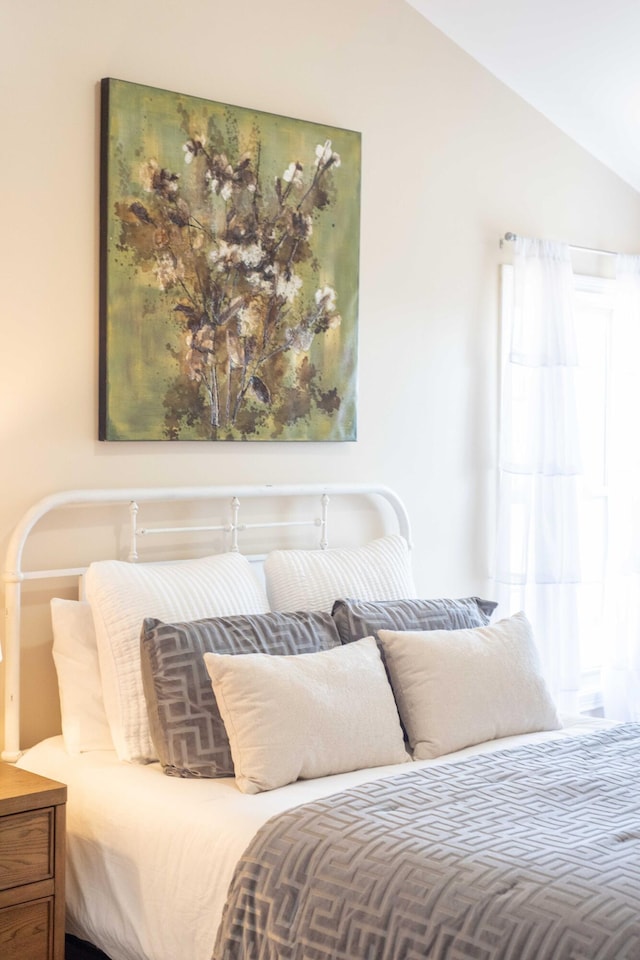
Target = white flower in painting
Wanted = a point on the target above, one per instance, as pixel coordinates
(192, 147)
(252, 254)
(293, 174)
(249, 320)
(326, 298)
(325, 155)
(288, 289)
(226, 190)
(335, 321)
(219, 252)
(167, 271)
(225, 254)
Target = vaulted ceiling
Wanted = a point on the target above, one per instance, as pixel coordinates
(576, 61)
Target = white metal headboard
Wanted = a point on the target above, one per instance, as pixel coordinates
(131, 499)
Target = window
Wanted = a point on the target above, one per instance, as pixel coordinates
(593, 322)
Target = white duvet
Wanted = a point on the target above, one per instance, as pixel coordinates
(150, 857)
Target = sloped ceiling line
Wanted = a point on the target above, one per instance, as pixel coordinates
(576, 61)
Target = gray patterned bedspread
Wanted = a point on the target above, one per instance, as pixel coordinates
(528, 854)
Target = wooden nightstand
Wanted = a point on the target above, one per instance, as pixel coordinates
(32, 858)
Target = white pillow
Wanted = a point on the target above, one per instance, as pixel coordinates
(304, 716)
(121, 596)
(455, 688)
(314, 579)
(75, 654)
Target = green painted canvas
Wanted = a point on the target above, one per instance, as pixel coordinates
(229, 271)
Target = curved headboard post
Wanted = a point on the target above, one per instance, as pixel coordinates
(14, 574)
(12, 669)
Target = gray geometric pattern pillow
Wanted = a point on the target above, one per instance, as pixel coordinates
(356, 619)
(186, 726)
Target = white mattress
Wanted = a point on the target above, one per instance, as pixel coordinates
(150, 857)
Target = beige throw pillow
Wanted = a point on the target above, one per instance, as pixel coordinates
(455, 688)
(305, 716)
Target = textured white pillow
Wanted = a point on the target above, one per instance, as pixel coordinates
(75, 654)
(305, 716)
(455, 688)
(314, 579)
(123, 594)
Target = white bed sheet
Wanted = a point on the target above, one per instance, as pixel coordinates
(150, 857)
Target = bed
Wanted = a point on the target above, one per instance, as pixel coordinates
(283, 752)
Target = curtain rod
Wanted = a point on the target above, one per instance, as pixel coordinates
(572, 246)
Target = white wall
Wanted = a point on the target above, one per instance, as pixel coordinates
(451, 159)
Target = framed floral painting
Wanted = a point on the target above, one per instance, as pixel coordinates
(229, 271)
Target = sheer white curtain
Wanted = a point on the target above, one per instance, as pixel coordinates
(537, 551)
(621, 674)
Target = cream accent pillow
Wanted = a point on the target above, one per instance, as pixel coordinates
(75, 654)
(314, 579)
(455, 688)
(305, 716)
(123, 594)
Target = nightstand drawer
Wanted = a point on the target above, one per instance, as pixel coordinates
(26, 842)
(26, 930)
(32, 816)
